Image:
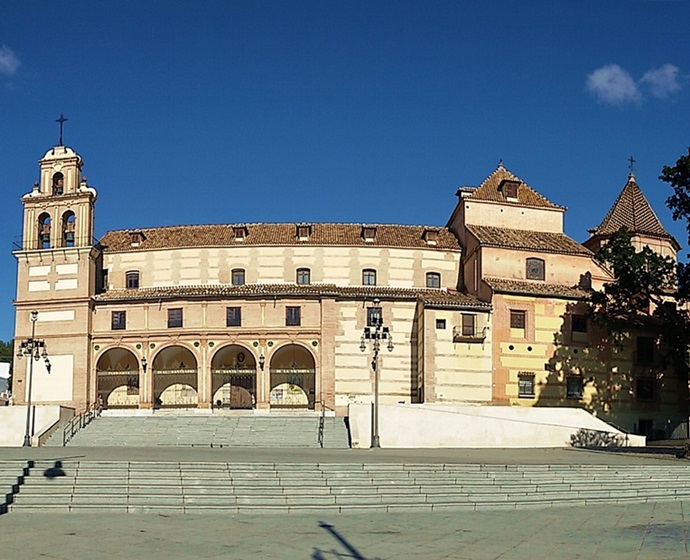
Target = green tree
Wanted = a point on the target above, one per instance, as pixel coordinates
(6, 355)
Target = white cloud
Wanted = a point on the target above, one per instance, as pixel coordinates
(662, 81)
(8, 61)
(612, 84)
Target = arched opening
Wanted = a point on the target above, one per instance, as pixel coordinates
(293, 378)
(58, 183)
(233, 374)
(69, 221)
(44, 231)
(117, 379)
(175, 382)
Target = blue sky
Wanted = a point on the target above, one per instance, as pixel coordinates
(351, 111)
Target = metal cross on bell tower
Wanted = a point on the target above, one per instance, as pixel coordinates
(62, 121)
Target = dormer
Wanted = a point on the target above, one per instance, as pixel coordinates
(509, 189)
(136, 238)
(303, 232)
(430, 235)
(240, 232)
(368, 233)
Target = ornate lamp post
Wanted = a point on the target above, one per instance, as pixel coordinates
(34, 350)
(374, 334)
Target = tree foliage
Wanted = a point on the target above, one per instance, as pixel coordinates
(651, 291)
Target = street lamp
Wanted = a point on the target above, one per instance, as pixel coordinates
(34, 350)
(375, 333)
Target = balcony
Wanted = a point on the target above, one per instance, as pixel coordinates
(461, 334)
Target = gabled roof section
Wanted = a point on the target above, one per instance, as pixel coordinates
(387, 235)
(633, 211)
(540, 241)
(493, 189)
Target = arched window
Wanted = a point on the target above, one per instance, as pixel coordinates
(433, 280)
(238, 276)
(369, 277)
(68, 228)
(58, 183)
(132, 280)
(44, 231)
(536, 269)
(303, 276)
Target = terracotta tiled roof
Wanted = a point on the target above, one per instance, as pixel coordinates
(387, 235)
(536, 288)
(431, 297)
(528, 240)
(631, 210)
(526, 195)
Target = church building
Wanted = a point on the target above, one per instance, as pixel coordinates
(490, 309)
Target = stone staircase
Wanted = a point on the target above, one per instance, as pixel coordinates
(209, 431)
(12, 476)
(197, 487)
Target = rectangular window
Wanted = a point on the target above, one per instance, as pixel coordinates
(303, 276)
(646, 389)
(118, 320)
(238, 277)
(645, 350)
(293, 316)
(468, 324)
(573, 387)
(517, 319)
(433, 280)
(369, 277)
(132, 280)
(526, 385)
(440, 324)
(234, 317)
(374, 316)
(174, 318)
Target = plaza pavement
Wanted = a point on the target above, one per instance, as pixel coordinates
(643, 531)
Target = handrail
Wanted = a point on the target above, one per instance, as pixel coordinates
(322, 421)
(78, 422)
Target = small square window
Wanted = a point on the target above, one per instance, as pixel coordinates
(118, 320)
(535, 269)
(433, 280)
(468, 324)
(579, 323)
(293, 316)
(526, 386)
(238, 277)
(174, 317)
(646, 389)
(574, 387)
(132, 280)
(234, 317)
(517, 319)
(303, 276)
(440, 324)
(374, 316)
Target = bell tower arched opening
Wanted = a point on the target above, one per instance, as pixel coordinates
(58, 183)
(44, 229)
(69, 222)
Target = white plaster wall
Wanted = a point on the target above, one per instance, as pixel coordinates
(435, 426)
(13, 423)
(55, 386)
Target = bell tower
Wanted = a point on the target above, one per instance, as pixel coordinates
(57, 264)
